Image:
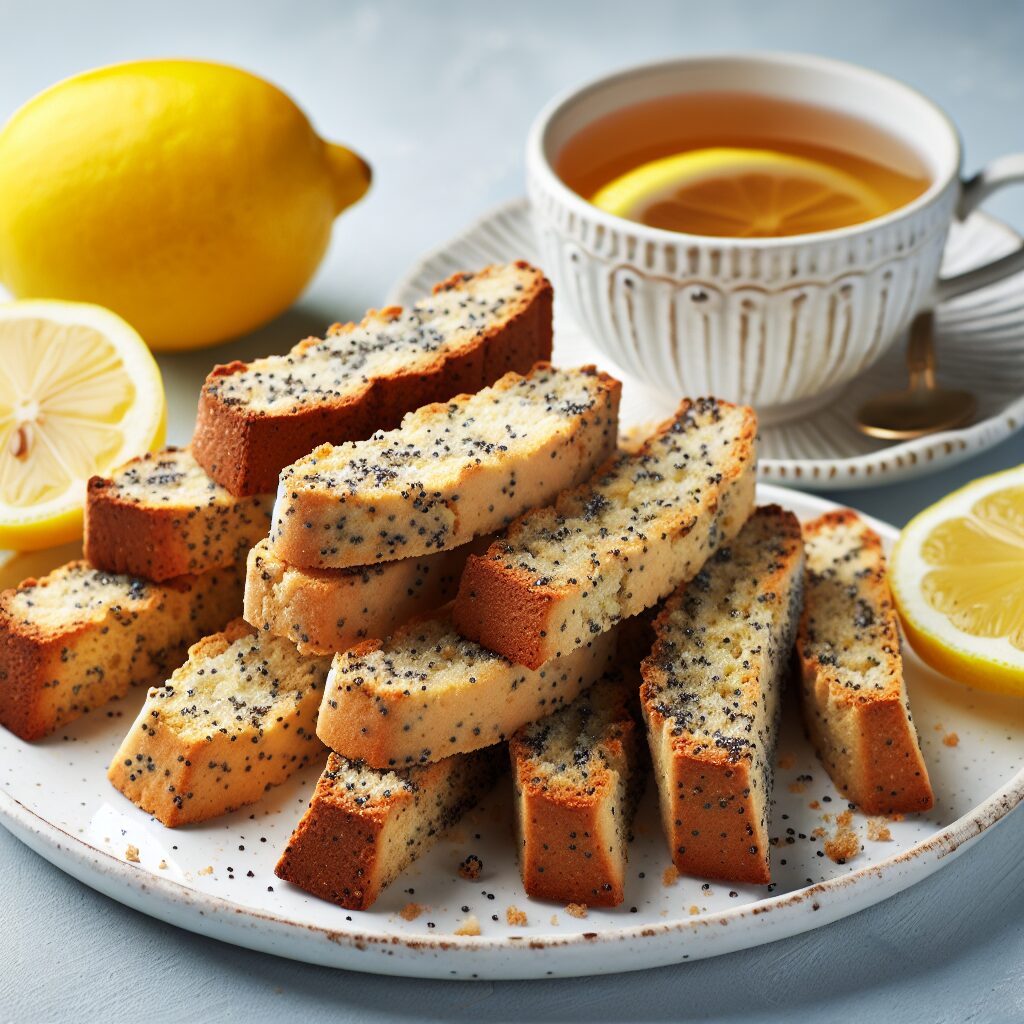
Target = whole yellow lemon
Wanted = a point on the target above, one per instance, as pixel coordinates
(194, 199)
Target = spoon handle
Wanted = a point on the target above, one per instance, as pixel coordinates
(921, 352)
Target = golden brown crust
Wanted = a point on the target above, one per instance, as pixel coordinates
(714, 833)
(370, 712)
(348, 846)
(47, 674)
(120, 536)
(712, 823)
(877, 762)
(506, 610)
(566, 854)
(159, 543)
(333, 852)
(25, 666)
(323, 520)
(181, 778)
(572, 834)
(244, 450)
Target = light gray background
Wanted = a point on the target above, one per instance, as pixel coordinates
(438, 97)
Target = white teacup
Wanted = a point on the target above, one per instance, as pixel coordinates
(778, 323)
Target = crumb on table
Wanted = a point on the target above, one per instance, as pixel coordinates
(132, 854)
(516, 917)
(576, 909)
(670, 876)
(843, 844)
(878, 831)
(410, 911)
(469, 926)
(471, 867)
(951, 739)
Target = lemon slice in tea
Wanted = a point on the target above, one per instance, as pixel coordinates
(80, 393)
(740, 193)
(958, 583)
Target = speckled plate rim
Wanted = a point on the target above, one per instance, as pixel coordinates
(636, 947)
(893, 464)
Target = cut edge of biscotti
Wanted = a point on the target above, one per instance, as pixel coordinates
(451, 472)
(426, 693)
(855, 698)
(160, 516)
(711, 698)
(255, 418)
(78, 637)
(578, 775)
(237, 718)
(606, 550)
(364, 826)
(323, 611)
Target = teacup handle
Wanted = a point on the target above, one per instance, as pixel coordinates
(1004, 170)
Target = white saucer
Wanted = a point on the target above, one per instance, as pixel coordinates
(979, 339)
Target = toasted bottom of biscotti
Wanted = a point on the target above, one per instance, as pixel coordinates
(236, 719)
(711, 698)
(854, 697)
(578, 775)
(364, 827)
(426, 693)
(79, 637)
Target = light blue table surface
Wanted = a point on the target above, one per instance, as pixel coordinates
(439, 97)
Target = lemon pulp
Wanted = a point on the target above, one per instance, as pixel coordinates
(79, 394)
(978, 579)
(740, 193)
(958, 583)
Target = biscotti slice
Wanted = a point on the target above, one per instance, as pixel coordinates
(426, 693)
(79, 637)
(255, 418)
(364, 827)
(854, 697)
(161, 516)
(578, 776)
(326, 610)
(645, 522)
(450, 473)
(711, 698)
(237, 718)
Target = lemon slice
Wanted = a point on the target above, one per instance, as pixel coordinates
(740, 193)
(958, 583)
(79, 394)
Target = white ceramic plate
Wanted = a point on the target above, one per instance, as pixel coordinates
(979, 340)
(217, 878)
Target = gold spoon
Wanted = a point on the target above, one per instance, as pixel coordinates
(924, 407)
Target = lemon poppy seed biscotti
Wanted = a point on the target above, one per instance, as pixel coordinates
(327, 610)
(255, 418)
(854, 697)
(578, 776)
(425, 693)
(161, 516)
(449, 473)
(711, 698)
(616, 545)
(236, 719)
(79, 637)
(365, 826)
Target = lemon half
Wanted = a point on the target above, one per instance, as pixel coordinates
(958, 583)
(80, 393)
(740, 193)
